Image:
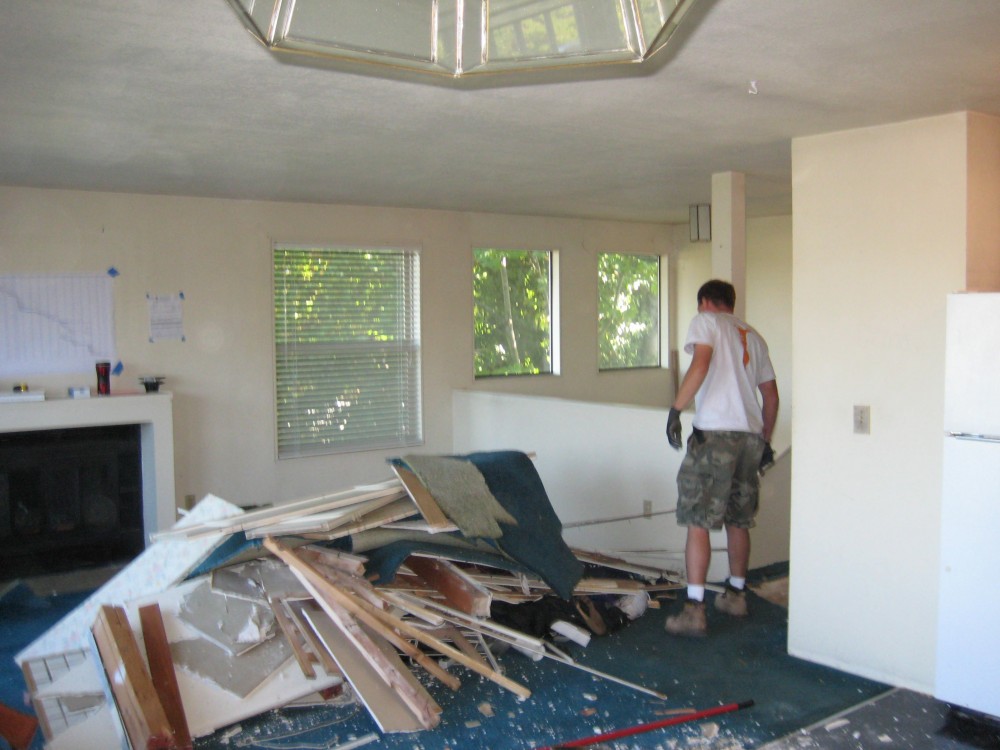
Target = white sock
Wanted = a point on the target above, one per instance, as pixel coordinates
(696, 593)
(737, 583)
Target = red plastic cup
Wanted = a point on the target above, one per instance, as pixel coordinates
(103, 378)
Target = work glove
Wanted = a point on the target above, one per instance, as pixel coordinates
(766, 460)
(674, 428)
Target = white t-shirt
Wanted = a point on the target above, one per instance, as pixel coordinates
(727, 399)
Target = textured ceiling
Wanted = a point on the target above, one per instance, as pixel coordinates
(176, 98)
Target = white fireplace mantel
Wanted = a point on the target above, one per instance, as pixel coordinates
(153, 413)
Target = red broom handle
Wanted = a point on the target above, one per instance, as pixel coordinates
(640, 728)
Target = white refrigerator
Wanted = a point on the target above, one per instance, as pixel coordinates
(968, 642)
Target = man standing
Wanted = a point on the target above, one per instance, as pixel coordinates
(718, 482)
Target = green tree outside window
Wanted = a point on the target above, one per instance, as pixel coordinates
(512, 312)
(628, 318)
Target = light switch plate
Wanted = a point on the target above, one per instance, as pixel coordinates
(862, 420)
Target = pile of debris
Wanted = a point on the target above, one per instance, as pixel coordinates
(232, 613)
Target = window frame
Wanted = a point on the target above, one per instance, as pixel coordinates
(407, 428)
(552, 264)
(658, 306)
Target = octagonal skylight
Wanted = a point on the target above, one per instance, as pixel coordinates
(461, 38)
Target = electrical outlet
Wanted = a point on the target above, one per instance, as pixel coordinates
(647, 508)
(862, 420)
(188, 502)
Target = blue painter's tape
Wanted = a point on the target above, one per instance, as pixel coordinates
(118, 368)
(112, 272)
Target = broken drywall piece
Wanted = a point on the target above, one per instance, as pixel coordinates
(233, 624)
(97, 732)
(238, 581)
(278, 581)
(240, 675)
(158, 567)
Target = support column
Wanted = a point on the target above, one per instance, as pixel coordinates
(729, 233)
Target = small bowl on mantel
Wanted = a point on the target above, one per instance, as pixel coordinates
(151, 382)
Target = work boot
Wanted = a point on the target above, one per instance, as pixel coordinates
(690, 621)
(732, 601)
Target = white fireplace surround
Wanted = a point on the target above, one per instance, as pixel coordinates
(153, 412)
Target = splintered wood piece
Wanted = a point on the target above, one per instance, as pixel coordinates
(532, 647)
(296, 611)
(386, 706)
(303, 655)
(377, 618)
(326, 521)
(425, 502)
(296, 509)
(616, 563)
(334, 558)
(392, 636)
(460, 591)
(161, 670)
(456, 636)
(397, 510)
(144, 720)
(389, 668)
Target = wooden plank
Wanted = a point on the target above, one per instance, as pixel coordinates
(533, 647)
(456, 636)
(324, 522)
(142, 713)
(395, 511)
(459, 590)
(375, 617)
(616, 563)
(335, 558)
(387, 633)
(429, 509)
(392, 671)
(161, 670)
(386, 707)
(294, 509)
(297, 612)
(303, 655)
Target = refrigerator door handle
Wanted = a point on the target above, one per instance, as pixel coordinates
(975, 436)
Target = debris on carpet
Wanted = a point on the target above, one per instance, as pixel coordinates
(354, 600)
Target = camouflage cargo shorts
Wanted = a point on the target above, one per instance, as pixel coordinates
(718, 483)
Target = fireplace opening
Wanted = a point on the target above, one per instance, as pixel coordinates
(69, 499)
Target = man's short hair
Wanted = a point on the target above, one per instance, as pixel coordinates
(720, 292)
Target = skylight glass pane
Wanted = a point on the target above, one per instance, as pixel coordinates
(532, 29)
(404, 28)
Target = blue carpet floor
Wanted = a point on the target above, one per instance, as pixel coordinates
(739, 661)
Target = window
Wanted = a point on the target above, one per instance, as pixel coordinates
(512, 300)
(628, 311)
(347, 349)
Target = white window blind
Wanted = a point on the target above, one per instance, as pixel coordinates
(347, 349)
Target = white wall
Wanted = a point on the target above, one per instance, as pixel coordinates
(601, 461)
(880, 226)
(218, 253)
